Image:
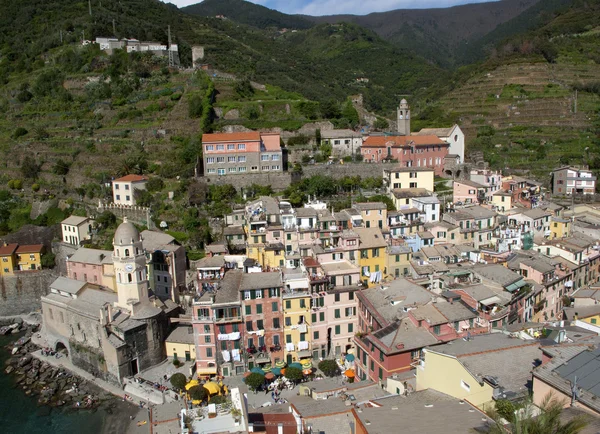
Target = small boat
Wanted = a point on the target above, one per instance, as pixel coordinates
(142, 423)
(15, 350)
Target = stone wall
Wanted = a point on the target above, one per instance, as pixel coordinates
(337, 171)
(136, 214)
(279, 181)
(21, 293)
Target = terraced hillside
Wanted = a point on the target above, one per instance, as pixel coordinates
(522, 115)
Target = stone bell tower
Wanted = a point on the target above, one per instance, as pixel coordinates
(404, 118)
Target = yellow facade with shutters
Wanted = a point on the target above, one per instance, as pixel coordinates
(29, 261)
(7, 265)
(371, 261)
(296, 323)
(502, 201)
(559, 228)
(181, 351)
(266, 256)
(398, 264)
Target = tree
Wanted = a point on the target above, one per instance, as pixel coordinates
(48, 260)
(198, 393)
(329, 367)
(178, 381)
(525, 420)
(106, 220)
(243, 88)
(293, 374)
(61, 167)
(155, 184)
(254, 381)
(29, 168)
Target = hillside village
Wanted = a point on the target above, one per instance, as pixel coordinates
(467, 294)
(284, 265)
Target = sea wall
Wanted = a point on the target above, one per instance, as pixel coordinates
(21, 293)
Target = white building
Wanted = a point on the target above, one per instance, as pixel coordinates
(343, 142)
(76, 229)
(535, 220)
(453, 136)
(492, 179)
(569, 180)
(429, 207)
(124, 188)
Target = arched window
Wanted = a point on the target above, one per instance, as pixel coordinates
(129, 278)
(126, 252)
(137, 251)
(120, 278)
(140, 275)
(117, 250)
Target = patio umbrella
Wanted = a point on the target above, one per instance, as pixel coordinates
(276, 371)
(280, 364)
(350, 373)
(307, 371)
(191, 384)
(283, 371)
(257, 370)
(266, 368)
(296, 365)
(269, 376)
(212, 388)
(350, 357)
(307, 365)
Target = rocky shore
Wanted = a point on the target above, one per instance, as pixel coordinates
(55, 387)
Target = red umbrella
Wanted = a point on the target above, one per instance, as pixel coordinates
(269, 375)
(307, 371)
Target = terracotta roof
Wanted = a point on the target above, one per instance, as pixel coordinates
(397, 141)
(231, 137)
(132, 178)
(9, 249)
(32, 248)
(271, 141)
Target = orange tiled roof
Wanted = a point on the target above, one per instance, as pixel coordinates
(132, 178)
(251, 136)
(30, 248)
(395, 141)
(9, 249)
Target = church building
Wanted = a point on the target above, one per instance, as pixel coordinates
(112, 334)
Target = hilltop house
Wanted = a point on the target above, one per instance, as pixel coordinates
(124, 189)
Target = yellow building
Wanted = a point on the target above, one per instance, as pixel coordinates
(409, 177)
(398, 261)
(29, 257)
(372, 258)
(374, 214)
(180, 344)
(559, 228)
(479, 369)
(20, 258)
(296, 321)
(9, 259)
(589, 314)
(502, 200)
(267, 255)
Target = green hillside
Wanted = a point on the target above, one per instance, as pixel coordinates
(248, 13)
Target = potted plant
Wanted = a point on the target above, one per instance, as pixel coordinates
(237, 415)
(212, 415)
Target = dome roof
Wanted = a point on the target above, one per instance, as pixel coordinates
(403, 101)
(126, 234)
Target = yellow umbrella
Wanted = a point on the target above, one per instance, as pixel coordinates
(212, 387)
(191, 384)
(307, 365)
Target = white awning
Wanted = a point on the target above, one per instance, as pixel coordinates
(491, 300)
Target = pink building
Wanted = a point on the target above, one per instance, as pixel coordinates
(410, 151)
(93, 266)
(466, 191)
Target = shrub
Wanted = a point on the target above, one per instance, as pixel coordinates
(35, 187)
(178, 381)
(61, 167)
(219, 399)
(19, 132)
(48, 260)
(329, 368)
(294, 374)
(254, 381)
(198, 393)
(505, 408)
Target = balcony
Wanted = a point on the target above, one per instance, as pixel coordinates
(227, 319)
(292, 293)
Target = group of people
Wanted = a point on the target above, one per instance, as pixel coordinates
(50, 352)
(88, 402)
(276, 395)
